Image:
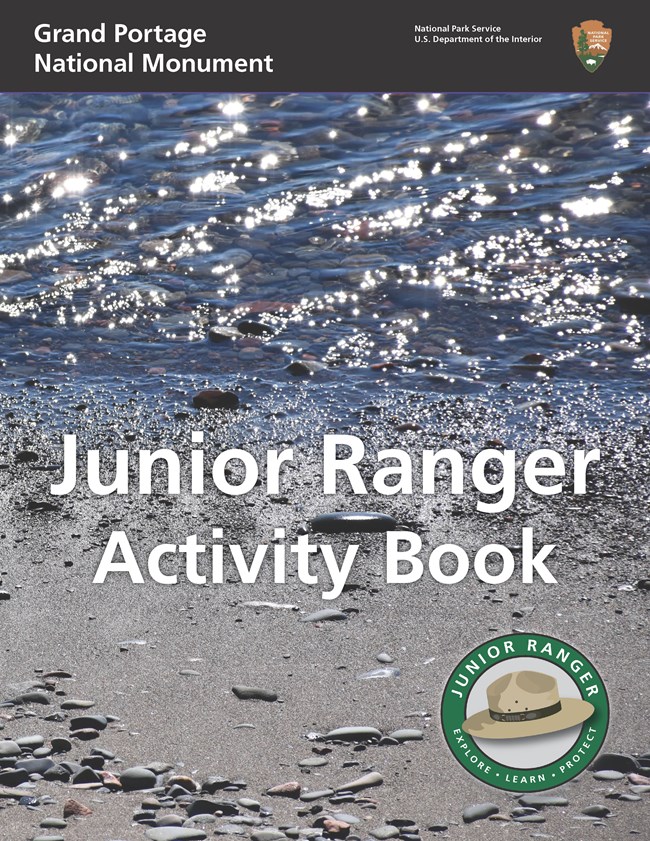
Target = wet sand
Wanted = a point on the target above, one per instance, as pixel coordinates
(57, 619)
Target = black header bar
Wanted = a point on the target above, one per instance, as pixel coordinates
(340, 45)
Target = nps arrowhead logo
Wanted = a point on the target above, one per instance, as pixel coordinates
(591, 41)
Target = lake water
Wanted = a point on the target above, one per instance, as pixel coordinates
(443, 244)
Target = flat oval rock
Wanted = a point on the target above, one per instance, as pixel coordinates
(609, 775)
(313, 762)
(353, 521)
(175, 833)
(538, 801)
(268, 835)
(384, 832)
(354, 734)
(407, 735)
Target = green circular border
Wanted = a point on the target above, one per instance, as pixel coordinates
(453, 714)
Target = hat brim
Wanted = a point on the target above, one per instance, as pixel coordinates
(574, 711)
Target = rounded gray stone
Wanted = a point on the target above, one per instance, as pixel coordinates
(354, 734)
(175, 833)
(407, 735)
(479, 811)
(9, 748)
(382, 833)
(137, 779)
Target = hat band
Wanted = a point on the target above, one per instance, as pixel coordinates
(530, 715)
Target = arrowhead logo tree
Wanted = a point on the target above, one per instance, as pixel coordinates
(591, 41)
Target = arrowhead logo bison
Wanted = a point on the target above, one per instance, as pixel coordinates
(591, 41)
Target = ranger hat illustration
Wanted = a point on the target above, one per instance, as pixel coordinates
(522, 704)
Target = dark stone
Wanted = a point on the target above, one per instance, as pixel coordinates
(26, 456)
(215, 398)
(254, 693)
(88, 722)
(616, 762)
(35, 766)
(12, 778)
(202, 806)
(86, 775)
(255, 328)
(353, 521)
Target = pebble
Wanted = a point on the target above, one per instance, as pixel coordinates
(309, 796)
(76, 704)
(538, 801)
(268, 835)
(12, 778)
(384, 832)
(86, 735)
(312, 762)
(34, 766)
(254, 693)
(255, 328)
(74, 807)
(249, 803)
(291, 789)
(597, 811)
(353, 521)
(385, 658)
(328, 614)
(137, 779)
(53, 823)
(202, 806)
(94, 722)
(175, 833)
(530, 819)
(220, 333)
(608, 775)
(304, 368)
(479, 812)
(30, 742)
(406, 735)
(31, 698)
(9, 748)
(48, 838)
(354, 734)
(374, 778)
(616, 762)
(215, 398)
(639, 779)
(336, 827)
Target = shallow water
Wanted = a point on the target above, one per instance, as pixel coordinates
(439, 244)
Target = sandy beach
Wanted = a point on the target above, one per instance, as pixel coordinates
(163, 660)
